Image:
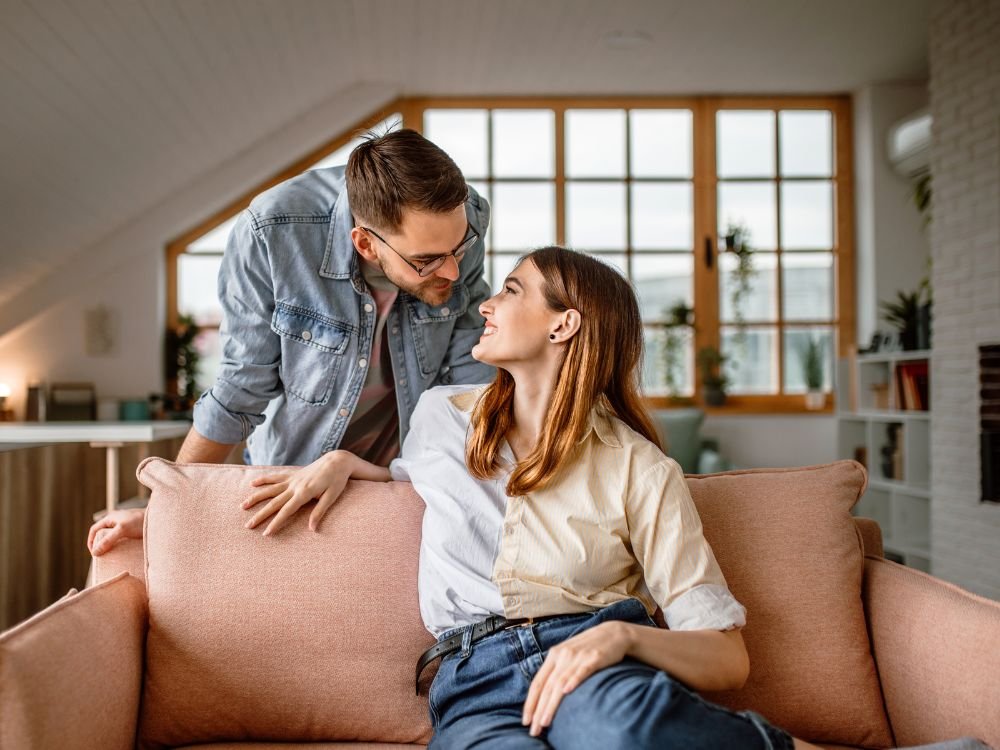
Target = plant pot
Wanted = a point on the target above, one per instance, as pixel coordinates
(715, 397)
(908, 338)
(815, 400)
(923, 327)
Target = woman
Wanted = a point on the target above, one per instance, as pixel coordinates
(554, 526)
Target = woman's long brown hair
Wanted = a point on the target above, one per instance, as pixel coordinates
(601, 367)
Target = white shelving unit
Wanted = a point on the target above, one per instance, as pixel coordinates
(898, 494)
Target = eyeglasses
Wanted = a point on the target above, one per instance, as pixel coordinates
(426, 269)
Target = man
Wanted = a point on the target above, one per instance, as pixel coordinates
(346, 293)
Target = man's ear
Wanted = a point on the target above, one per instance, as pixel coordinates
(364, 245)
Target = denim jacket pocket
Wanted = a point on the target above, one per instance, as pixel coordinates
(312, 348)
(433, 327)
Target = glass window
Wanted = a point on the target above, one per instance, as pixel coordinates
(462, 134)
(661, 143)
(662, 216)
(595, 215)
(806, 143)
(595, 143)
(523, 215)
(524, 143)
(745, 143)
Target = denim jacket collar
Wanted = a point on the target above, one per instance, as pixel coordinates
(340, 261)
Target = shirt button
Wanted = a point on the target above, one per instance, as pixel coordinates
(306, 335)
(368, 308)
(343, 412)
(362, 362)
(402, 381)
(508, 528)
(510, 601)
(445, 311)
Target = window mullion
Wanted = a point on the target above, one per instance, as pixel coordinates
(706, 275)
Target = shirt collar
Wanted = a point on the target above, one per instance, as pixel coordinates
(340, 259)
(598, 421)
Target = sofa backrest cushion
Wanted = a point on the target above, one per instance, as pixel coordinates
(301, 636)
(70, 676)
(792, 555)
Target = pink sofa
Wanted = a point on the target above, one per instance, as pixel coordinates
(206, 634)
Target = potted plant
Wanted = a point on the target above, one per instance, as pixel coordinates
(812, 358)
(675, 335)
(903, 313)
(710, 362)
(182, 361)
(741, 280)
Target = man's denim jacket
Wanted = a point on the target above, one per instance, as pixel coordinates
(298, 324)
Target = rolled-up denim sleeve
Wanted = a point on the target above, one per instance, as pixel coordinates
(460, 368)
(251, 352)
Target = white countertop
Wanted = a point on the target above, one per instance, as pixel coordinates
(15, 435)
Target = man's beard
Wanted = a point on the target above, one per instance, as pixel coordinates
(432, 291)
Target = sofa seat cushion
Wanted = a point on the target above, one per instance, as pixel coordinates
(792, 555)
(298, 637)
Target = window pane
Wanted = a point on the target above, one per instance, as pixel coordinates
(806, 138)
(595, 142)
(752, 364)
(215, 240)
(208, 345)
(807, 215)
(668, 365)
(745, 143)
(595, 216)
(661, 142)
(796, 343)
(524, 143)
(462, 134)
(753, 205)
(523, 215)
(502, 265)
(618, 261)
(760, 303)
(662, 216)
(197, 292)
(807, 286)
(662, 281)
(339, 157)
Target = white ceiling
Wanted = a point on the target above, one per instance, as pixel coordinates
(110, 106)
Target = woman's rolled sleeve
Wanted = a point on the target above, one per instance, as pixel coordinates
(678, 564)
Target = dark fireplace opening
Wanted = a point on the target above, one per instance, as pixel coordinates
(989, 421)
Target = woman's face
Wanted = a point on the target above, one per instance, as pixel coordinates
(518, 321)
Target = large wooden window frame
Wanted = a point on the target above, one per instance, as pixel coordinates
(705, 185)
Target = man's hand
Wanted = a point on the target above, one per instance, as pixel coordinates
(113, 528)
(569, 664)
(325, 479)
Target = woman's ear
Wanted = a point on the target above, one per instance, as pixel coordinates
(363, 244)
(569, 325)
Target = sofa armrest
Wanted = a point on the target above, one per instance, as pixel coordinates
(71, 675)
(871, 536)
(935, 647)
(127, 556)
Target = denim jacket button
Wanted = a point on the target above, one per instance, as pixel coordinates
(343, 412)
(362, 362)
(306, 335)
(444, 311)
(368, 308)
(395, 329)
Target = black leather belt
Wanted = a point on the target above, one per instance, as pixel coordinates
(480, 630)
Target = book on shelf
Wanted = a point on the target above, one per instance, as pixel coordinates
(912, 385)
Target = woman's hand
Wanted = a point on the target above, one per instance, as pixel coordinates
(324, 479)
(113, 528)
(569, 664)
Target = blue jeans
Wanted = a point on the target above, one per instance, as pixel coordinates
(478, 694)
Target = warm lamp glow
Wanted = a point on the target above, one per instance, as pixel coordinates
(4, 390)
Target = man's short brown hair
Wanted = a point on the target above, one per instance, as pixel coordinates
(397, 170)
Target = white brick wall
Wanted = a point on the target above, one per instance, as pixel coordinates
(965, 246)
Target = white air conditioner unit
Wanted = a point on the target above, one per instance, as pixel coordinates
(909, 144)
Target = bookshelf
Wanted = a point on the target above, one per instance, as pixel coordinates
(884, 421)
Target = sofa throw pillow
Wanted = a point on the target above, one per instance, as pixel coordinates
(792, 555)
(299, 637)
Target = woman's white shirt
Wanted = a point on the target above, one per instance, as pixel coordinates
(618, 522)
